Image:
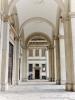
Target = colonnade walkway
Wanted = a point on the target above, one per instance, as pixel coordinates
(37, 90)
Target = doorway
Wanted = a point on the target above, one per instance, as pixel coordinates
(37, 74)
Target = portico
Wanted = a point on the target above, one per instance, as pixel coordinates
(42, 26)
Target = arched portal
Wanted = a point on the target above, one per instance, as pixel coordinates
(37, 45)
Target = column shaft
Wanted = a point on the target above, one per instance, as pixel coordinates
(58, 74)
(24, 65)
(16, 63)
(69, 55)
(50, 64)
(68, 48)
(53, 69)
(5, 56)
(1, 37)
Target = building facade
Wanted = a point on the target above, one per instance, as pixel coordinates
(37, 63)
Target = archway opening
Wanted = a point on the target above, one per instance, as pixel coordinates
(38, 66)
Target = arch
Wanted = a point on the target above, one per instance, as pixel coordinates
(37, 19)
(37, 34)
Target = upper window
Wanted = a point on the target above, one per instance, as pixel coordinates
(30, 52)
(43, 52)
(43, 67)
(37, 52)
(30, 67)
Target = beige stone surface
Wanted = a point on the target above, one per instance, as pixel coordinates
(37, 90)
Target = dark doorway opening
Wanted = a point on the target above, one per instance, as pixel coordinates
(37, 74)
(10, 66)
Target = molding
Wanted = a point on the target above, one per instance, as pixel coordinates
(5, 18)
(56, 37)
(38, 34)
(61, 36)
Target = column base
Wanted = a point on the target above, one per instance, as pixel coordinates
(16, 82)
(50, 79)
(4, 87)
(69, 87)
(58, 82)
(24, 80)
(73, 87)
(53, 79)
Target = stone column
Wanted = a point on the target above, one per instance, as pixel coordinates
(50, 63)
(58, 71)
(47, 59)
(24, 66)
(16, 62)
(68, 48)
(69, 55)
(53, 68)
(5, 54)
(1, 35)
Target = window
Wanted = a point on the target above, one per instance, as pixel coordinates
(43, 52)
(30, 52)
(30, 67)
(43, 67)
(37, 52)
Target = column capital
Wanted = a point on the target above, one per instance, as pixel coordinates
(50, 47)
(24, 46)
(56, 37)
(4, 18)
(65, 18)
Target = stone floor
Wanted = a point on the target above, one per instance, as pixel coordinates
(37, 90)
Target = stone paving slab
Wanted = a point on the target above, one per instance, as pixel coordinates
(37, 91)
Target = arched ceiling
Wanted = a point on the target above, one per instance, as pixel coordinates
(33, 8)
(47, 9)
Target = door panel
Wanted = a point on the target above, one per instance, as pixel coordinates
(37, 74)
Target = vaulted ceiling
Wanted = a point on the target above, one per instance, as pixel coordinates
(37, 16)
